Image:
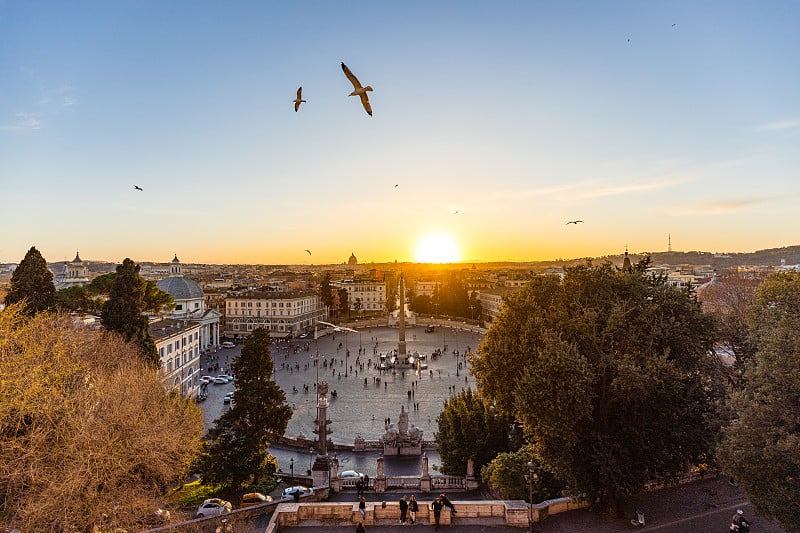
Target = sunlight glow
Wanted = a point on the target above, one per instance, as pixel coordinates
(437, 248)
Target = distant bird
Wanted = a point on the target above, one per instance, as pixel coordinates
(396, 184)
(629, 40)
(456, 211)
(299, 100)
(674, 25)
(309, 252)
(138, 188)
(574, 222)
(359, 90)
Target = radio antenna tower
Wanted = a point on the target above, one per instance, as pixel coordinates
(669, 242)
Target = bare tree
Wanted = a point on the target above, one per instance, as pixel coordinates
(89, 438)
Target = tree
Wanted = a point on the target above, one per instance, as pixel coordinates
(75, 452)
(33, 283)
(122, 312)
(507, 475)
(101, 284)
(761, 448)
(610, 375)
(236, 450)
(344, 300)
(73, 298)
(156, 300)
(469, 428)
(325, 292)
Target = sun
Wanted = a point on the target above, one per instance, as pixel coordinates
(437, 248)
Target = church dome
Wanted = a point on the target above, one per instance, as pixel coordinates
(181, 288)
(352, 260)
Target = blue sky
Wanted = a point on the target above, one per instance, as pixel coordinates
(520, 115)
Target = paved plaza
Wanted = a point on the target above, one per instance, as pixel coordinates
(359, 406)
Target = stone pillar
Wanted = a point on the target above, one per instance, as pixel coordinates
(425, 480)
(472, 483)
(336, 483)
(380, 480)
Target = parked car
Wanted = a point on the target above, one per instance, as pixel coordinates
(228, 344)
(220, 380)
(206, 379)
(304, 335)
(228, 397)
(429, 329)
(289, 492)
(254, 498)
(350, 474)
(225, 377)
(213, 507)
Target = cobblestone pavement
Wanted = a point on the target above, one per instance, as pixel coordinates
(359, 408)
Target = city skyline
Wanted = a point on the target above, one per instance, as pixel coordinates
(494, 125)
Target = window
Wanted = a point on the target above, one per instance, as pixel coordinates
(169, 365)
(197, 305)
(161, 352)
(169, 348)
(177, 361)
(177, 345)
(183, 341)
(178, 307)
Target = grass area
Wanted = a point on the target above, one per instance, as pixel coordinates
(195, 493)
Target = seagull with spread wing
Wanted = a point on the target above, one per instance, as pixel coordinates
(309, 252)
(358, 89)
(574, 222)
(299, 100)
(138, 188)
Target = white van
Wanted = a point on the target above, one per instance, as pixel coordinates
(228, 344)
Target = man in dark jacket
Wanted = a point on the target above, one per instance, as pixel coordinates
(437, 511)
(447, 503)
(403, 510)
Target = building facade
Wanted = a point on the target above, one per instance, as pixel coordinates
(364, 295)
(76, 273)
(190, 304)
(492, 301)
(283, 314)
(178, 344)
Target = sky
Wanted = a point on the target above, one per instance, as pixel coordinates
(494, 124)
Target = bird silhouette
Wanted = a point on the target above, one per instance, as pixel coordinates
(574, 222)
(396, 184)
(456, 211)
(358, 89)
(674, 25)
(138, 188)
(309, 252)
(299, 100)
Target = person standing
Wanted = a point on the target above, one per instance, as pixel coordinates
(359, 488)
(437, 512)
(447, 503)
(413, 507)
(362, 507)
(360, 528)
(403, 510)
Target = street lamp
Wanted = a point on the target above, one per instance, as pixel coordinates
(291, 468)
(310, 457)
(532, 477)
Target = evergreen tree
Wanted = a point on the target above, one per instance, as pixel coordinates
(73, 299)
(470, 428)
(325, 292)
(609, 372)
(122, 312)
(344, 300)
(32, 282)
(237, 447)
(761, 448)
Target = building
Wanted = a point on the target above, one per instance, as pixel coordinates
(364, 294)
(492, 301)
(283, 314)
(76, 273)
(190, 304)
(352, 260)
(178, 345)
(427, 288)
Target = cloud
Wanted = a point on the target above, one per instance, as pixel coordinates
(721, 207)
(633, 187)
(69, 101)
(788, 124)
(23, 122)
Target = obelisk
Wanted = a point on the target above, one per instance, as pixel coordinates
(401, 345)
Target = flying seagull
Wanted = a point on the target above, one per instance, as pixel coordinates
(359, 90)
(456, 211)
(674, 25)
(574, 222)
(138, 188)
(309, 252)
(299, 100)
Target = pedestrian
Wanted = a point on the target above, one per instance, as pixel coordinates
(447, 503)
(362, 507)
(360, 528)
(403, 510)
(437, 512)
(413, 507)
(366, 482)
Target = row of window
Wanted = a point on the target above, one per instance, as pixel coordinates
(182, 359)
(235, 303)
(180, 343)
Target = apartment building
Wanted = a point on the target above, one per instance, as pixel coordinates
(364, 295)
(284, 314)
(178, 345)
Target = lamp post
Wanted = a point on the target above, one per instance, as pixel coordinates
(291, 468)
(310, 457)
(532, 477)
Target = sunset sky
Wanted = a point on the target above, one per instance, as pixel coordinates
(494, 124)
